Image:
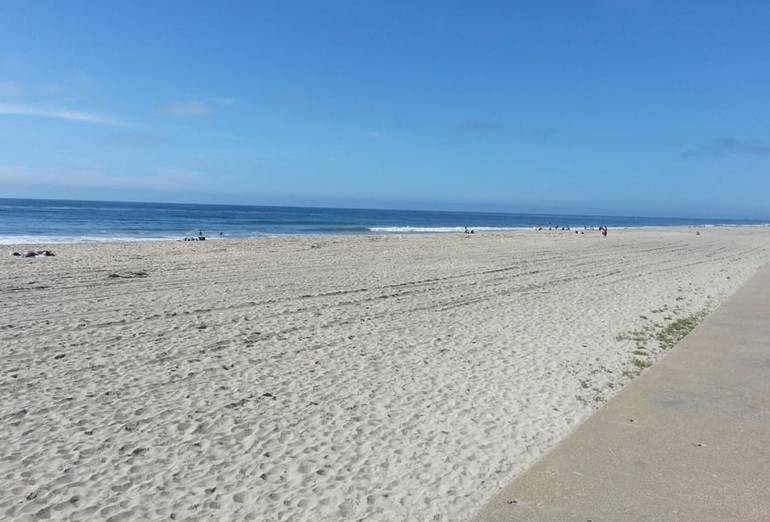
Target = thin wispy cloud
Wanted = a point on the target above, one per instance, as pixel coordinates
(376, 134)
(59, 114)
(9, 89)
(481, 127)
(74, 88)
(188, 108)
(493, 128)
(133, 139)
(224, 101)
(730, 146)
(296, 100)
(197, 107)
(621, 3)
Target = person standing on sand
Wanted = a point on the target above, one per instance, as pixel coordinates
(604, 230)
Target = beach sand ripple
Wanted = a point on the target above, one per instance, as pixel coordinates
(382, 378)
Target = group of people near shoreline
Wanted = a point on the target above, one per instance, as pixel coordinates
(603, 229)
(199, 237)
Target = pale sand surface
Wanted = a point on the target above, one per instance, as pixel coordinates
(689, 441)
(389, 378)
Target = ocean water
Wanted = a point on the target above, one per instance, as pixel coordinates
(51, 221)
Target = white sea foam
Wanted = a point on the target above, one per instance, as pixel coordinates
(47, 240)
(31, 239)
(735, 225)
(418, 230)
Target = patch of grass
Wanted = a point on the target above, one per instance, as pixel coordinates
(676, 331)
(657, 337)
(638, 336)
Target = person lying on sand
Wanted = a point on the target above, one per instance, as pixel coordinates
(34, 253)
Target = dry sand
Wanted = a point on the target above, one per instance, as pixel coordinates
(382, 378)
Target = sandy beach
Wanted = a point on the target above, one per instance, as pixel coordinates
(329, 378)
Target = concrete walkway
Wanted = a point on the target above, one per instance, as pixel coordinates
(688, 440)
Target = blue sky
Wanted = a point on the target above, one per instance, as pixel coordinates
(611, 106)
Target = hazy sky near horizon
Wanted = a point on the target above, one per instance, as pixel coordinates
(610, 106)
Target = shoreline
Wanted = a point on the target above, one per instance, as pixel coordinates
(334, 377)
(47, 241)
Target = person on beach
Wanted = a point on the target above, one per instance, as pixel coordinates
(604, 230)
(34, 253)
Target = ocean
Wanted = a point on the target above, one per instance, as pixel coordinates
(27, 221)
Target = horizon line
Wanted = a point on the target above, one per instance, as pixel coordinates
(554, 213)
